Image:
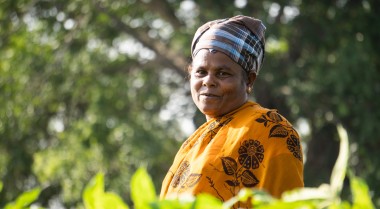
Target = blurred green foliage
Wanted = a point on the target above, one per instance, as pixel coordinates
(96, 85)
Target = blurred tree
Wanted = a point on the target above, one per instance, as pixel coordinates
(80, 95)
(335, 77)
(91, 85)
(332, 75)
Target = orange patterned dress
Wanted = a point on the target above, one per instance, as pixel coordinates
(250, 147)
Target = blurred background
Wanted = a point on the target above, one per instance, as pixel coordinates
(100, 85)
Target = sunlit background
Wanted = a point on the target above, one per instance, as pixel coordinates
(100, 85)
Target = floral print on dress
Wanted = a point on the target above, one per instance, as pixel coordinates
(240, 171)
(181, 174)
(183, 178)
(294, 146)
(251, 154)
(212, 130)
(281, 128)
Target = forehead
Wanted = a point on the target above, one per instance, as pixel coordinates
(215, 59)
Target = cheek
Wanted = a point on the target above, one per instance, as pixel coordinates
(194, 87)
(235, 93)
(234, 88)
(194, 84)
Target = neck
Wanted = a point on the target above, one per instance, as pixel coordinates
(210, 117)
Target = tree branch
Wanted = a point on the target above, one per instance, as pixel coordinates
(165, 55)
(164, 10)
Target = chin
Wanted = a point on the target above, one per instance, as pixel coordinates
(208, 112)
(211, 113)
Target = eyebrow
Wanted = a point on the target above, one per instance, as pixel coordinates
(219, 67)
(224, 67)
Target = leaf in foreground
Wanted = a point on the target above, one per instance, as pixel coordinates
(360, 193)
(94, 196)
(142, 189)
(24, 199)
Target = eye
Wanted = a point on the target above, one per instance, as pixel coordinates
(223, 74)
(200, 72)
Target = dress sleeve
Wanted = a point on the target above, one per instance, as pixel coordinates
(261, 152)
(284, 172)
(278, 153)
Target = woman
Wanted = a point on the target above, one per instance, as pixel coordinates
(242, 144)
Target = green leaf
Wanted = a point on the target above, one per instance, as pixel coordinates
(1, 186)
(173, 204)
(360, 193)
(93, 192)
(262, 198)
(243, 195)
(24, 199)
(207, 201)
(340, 205)
(94, 196)
(113, 201)
(306, 204)
(339, 170)
(142, 189)
(321, 193)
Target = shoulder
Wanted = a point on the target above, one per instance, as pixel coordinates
(270, 122)
(255, 114)
(269, 128)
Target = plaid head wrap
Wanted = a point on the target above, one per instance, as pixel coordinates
(240, 37)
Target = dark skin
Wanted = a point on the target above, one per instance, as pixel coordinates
(218, 84)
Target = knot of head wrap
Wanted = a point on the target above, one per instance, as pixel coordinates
(240, 37)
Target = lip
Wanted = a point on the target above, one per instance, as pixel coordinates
(208, 95)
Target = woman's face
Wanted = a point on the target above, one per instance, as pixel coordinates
(218, 85)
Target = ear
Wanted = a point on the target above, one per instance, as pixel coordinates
(189, 68)
(251, 79)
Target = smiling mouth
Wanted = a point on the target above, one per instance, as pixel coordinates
(209, 96)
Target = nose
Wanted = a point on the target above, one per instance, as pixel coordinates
(209, 81)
